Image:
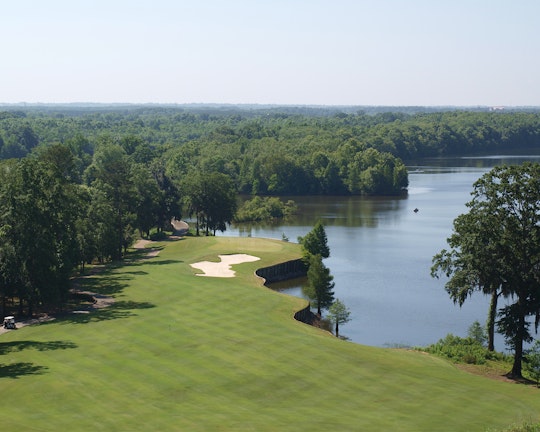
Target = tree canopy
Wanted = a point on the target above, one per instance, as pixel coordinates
(495, 249)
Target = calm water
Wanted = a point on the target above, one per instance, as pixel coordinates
(381, 253)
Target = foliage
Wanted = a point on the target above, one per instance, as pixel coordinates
(263, 209)
(320, 285)
(532, 362)
(212, 199)
(525, 427)
(39, 207)
(60, 208)
(338, 314)
(275, 151)
(462, 350)
(315, 242)
(496, 250)
(477, 333)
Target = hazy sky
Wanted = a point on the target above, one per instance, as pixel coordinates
(338, 52)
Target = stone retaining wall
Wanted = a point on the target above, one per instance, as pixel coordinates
(283, 271)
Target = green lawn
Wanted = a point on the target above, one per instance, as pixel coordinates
(178, 352)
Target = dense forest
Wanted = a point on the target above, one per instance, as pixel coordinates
(269, 152)
(77, 184)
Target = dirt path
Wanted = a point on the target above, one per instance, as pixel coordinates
(144, 244)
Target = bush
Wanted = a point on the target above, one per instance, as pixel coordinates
(525, 427)
(263, 209)
(463, 350)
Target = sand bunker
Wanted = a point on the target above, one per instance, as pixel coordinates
(223, 268)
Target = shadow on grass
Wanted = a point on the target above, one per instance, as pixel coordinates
(163, 262)
(16, 370)
(136, 273)
(104, 284)
(117, 310)
(142, 254)
(8, 347)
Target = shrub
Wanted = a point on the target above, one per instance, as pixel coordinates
(463, 350)
(264, 209)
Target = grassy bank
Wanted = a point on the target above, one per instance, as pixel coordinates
(186, 353)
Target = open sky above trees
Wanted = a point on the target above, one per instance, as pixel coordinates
(351, 52)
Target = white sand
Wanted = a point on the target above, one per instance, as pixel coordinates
(223, 268)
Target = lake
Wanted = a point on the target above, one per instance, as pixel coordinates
(381, 252)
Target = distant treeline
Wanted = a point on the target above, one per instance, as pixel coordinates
(270, 152)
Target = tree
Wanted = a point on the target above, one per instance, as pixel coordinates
(212, 198)
(477, 333)
(147, 196)
(315, 242)
(320, 285)
(112, 173)
(496, 249)
(338, 314)
(474, 262)
(168, 200)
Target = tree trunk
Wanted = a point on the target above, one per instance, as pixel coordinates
(491, 320)
(337, 328)
(518, 349)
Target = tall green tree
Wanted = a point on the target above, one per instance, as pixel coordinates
(111, 172)
(474, 262)
(496, 248)
(147, 199)
(320, 284)
(211, 197)
(315, 242)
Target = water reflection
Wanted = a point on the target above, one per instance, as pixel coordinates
(335, 211)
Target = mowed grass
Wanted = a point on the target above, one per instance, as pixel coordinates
(177, 352)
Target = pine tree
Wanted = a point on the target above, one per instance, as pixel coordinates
(315, 242)
(320, 285)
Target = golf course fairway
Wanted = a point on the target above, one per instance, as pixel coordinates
(176, 352)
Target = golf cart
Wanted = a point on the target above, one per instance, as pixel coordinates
(9, 322)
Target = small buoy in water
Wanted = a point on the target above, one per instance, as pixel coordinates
(416, 210)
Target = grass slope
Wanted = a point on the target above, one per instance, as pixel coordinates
(185, 353)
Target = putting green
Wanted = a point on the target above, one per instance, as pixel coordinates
(176, 352)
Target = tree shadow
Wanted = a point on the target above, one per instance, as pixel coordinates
(8, 347)
(163, 262)
(137, 273)
(104, 284)
(16, 370)
(116, 310)
(142, 254)
(107, 281)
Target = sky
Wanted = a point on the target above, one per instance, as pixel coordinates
(284, 52)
